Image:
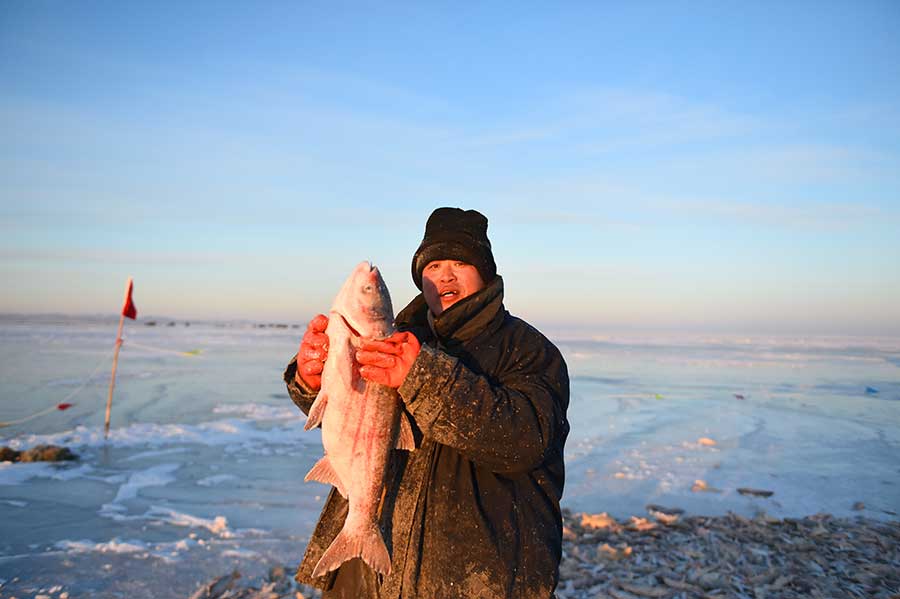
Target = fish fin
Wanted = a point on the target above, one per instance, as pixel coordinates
(316, 411)
(366, 543)
(323, 472)
(405, 439)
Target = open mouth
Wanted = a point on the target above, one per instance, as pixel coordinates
(451, 293)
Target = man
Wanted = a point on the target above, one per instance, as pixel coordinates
(474, 511)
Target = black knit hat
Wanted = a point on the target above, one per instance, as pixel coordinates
(455, 234)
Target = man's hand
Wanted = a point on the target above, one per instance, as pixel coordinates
(313, 352)
(387, 361)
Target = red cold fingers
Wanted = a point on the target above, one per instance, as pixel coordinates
(318, 324)
(375, 358)
(374, 375)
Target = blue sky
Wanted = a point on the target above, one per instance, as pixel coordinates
(714, 166)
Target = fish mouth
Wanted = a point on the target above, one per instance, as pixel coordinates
(370, 267)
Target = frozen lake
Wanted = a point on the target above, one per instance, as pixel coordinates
(203, 470)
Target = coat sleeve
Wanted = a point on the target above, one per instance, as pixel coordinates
(507, 423)
(302, 396)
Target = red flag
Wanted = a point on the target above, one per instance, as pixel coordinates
(64, 406)
(128, 309)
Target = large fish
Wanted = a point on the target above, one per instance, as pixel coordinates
(361, 421)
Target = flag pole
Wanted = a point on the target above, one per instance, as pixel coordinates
(112, 378)
(128, 310)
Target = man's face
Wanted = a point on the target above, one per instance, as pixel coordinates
(445, 282)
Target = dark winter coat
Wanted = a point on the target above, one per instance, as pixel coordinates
(474, 511)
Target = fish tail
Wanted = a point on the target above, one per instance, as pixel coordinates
(365, 543)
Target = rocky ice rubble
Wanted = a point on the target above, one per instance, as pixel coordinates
(277, 585)
(669, 555)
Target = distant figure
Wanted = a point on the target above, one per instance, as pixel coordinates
(474, 511)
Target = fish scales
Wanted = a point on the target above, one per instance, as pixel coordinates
(361, 421)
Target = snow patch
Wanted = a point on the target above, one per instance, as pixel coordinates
(215, 479)
(112, 546)
(157, 476)
(255, 411)
(217, 525)
(228, 432)
(240, 553)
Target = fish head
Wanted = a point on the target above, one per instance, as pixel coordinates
(364, 302)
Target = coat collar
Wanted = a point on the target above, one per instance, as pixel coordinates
(460, 322)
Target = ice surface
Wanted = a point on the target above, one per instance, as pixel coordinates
(204, 467)
(14, 474)
(805, 428)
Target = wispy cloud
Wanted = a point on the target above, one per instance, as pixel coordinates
(659, 118)
(819, 216)
(121, 256)
(788, 163)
